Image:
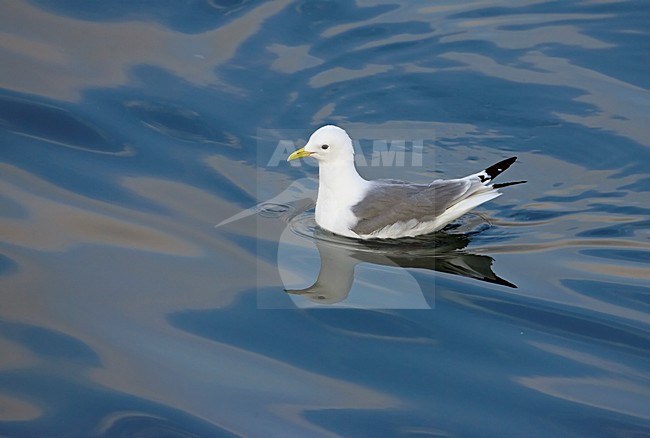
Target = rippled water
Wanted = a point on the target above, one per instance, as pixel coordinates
(129, 130)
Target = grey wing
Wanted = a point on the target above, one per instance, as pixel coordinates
(389, 203)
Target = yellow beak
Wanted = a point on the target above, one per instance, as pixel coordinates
(300, 153)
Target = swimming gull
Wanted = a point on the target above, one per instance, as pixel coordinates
(354, 207)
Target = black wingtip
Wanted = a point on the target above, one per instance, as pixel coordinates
(496, 169)
(500, 281)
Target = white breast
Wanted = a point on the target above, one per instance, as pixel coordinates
(334, 213)
(340, 187)
(336, 197)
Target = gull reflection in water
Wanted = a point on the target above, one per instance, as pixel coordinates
(371, 274)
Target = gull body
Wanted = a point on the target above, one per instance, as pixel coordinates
(351, 206)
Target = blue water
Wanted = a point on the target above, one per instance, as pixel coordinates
(128, 130)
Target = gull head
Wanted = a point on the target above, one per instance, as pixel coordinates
(329, 144)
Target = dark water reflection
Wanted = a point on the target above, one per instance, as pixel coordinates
(338, 258)
(129, 130)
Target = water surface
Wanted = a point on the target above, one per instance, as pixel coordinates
(128, 131)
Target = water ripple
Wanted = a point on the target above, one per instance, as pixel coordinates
(56, 125)
(176, 121)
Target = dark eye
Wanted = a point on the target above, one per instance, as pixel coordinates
(324, 146)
